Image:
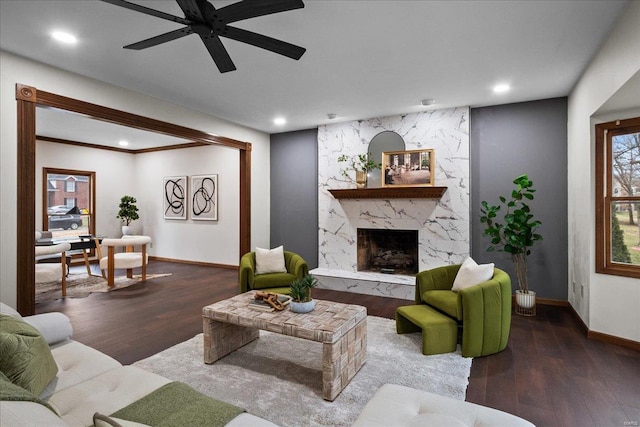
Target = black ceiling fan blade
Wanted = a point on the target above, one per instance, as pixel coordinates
(162, 38)
(147, 11)
(218, 53)
(202, 18)
(192, 9)
(252, 8)
(264, 42)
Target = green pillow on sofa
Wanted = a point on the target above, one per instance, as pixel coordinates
(25, 357)
(13, 393)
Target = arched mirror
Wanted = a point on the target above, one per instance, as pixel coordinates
(384, 141)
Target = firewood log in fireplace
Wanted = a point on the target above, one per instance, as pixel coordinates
(392, 259)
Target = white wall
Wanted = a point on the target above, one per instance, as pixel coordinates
(14, 69)
(610, 303)
(141, 176)
(205, 241)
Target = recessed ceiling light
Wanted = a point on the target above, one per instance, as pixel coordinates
(64, 37)
(123, 143)
(501, 88)
(279, 121)
(331, 116)
(427, 102)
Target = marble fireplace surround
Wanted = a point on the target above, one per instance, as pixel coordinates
(442, 224)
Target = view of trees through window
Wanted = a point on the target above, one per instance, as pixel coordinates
(68, 197)
(625, 224)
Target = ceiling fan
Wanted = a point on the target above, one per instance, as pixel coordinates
(203, 19)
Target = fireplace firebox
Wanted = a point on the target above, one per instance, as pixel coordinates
(388, 251)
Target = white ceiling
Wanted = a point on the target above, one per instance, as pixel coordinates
(60, 124)
(625, 98)
(364, 58)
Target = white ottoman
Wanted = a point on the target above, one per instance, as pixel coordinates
(395, 406)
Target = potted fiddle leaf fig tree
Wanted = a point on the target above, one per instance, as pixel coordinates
(300, 293)
(515, 234)
(128, 212)
(361, 164)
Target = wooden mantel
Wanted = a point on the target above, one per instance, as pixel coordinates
(390, 193)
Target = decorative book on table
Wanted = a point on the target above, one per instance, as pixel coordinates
(263, 306)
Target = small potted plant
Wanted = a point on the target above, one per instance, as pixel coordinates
(361, 164)
(515, 235)
(300, 293)
(128, 212)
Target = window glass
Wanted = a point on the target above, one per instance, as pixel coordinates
(69, 203)
(625, 233)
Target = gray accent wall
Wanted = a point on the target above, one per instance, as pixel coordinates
(510, 140)
(505, 141)
(294, 193)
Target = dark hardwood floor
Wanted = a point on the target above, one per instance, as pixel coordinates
(550, 373)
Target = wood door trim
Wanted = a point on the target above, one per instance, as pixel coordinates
(27, 99)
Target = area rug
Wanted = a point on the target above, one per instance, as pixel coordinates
(279, 378)
(81, 285)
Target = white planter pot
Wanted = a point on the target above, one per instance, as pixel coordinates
(302, 307)
(126, 230)
(525, 300)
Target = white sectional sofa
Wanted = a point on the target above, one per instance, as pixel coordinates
(87, 382)
(398, 406)
(90, 382)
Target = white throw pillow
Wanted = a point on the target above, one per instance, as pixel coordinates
(5, 309)
(471, 274)
(270, 260)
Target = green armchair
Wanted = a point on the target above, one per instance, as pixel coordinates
(483, 310)
(296, 266)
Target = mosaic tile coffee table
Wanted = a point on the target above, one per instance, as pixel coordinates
(341, 328)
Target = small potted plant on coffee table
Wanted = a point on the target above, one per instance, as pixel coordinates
(300, 293)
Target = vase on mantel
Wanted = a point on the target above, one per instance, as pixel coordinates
(361, 179)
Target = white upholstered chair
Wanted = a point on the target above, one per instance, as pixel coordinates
(52, 271)
(127, 260)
